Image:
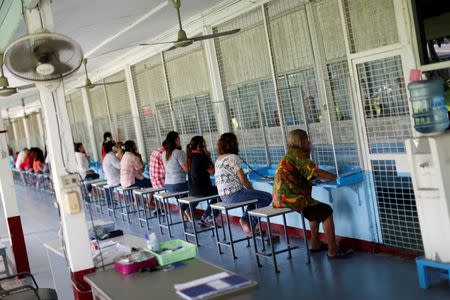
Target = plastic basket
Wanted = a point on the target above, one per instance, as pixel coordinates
(189, 251)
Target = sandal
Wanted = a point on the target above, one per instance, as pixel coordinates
(341, 253)
(322, 247)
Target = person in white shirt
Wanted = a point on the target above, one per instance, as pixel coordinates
(21, 158)
(83, 163)
(111, 165)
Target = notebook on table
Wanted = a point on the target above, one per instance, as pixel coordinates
(212, 286)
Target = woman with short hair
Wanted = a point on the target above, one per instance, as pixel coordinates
(292, 188)
(232, 184)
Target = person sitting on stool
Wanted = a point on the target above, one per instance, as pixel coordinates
(292, 188)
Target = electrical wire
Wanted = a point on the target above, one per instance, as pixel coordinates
(256, 172)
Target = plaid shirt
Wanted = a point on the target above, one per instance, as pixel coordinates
(130, 168)
(157, 170)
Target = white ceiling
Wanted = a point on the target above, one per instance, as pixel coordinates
(90, 22)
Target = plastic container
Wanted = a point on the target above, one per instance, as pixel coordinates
(186, 251)
(128, 268)
(428, 102)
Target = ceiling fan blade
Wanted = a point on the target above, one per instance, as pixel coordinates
(172, 48)
(109, 83)
(159, 43)
(214, 35)
(24, 87)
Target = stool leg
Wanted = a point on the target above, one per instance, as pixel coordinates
(308, 258)
(422, 273)
(287, 237)
(272, 246)
(223, 227)
(261, 234)
(168, 218)
(254, 242)
(217, 232)
(248, 240)
(194, 229)
(230, 234)
(183, 222)
(158, 211)
(147, 211)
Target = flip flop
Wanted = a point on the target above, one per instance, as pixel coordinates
(341, 253)
(322, 247)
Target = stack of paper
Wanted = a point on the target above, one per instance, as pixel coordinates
(211, 286)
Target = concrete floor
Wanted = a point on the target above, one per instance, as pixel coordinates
(364, 276)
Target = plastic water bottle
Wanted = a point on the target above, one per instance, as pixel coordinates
(428, 102)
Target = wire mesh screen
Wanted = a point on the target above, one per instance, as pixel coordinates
(385, 104)
(188, 80)
(33, 127)
(370, 24)
(80, 129)
(120, 107)
(208, 123)
(20, 133)
(149, 85)
(164, 118)
(397, 207)
(10, 134)
(340, 99)
(245, 71)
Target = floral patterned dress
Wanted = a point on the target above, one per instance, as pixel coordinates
(292, 183)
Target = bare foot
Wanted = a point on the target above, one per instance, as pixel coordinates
(245, 227)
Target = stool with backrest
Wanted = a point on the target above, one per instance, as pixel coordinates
(268, 213)
(142, 198)
(192, 202)
(126, 201)
(225, 208)
(162, 207)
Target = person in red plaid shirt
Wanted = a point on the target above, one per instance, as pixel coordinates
(157, 170)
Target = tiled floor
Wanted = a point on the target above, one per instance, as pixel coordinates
(364, 276)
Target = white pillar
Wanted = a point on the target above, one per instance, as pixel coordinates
(16, 141)
(41, 129)
(90, 124)
(10, 208)
(217, 94)
(63, 165)
(27, 131)
(135, 113)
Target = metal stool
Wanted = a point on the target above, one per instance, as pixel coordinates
(97, 194)
(142, 198)
(163, 210)
(126, 202)
(224, 207)
(5, 259)
(111, 206)
(269, 212)
(191, 201)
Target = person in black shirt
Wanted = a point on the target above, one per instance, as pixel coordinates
(200, 167)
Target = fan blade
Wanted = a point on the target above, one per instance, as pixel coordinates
(214, 35)
(172, 48)
(18, 62)
(60, 67)
(110, 83)
(160, 43)
(24, 87)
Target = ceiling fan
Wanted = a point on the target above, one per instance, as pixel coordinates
(183, 40)
(88, 83)
(43, 56)
(5, 89)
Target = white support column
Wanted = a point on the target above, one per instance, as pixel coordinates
(41, 130)
(63, 164)
(10, 208)
(90, 124)
(16, 141)
(135, 113)
(27, 132)
(217, 94)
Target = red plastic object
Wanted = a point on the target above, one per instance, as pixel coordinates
(136, 266)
